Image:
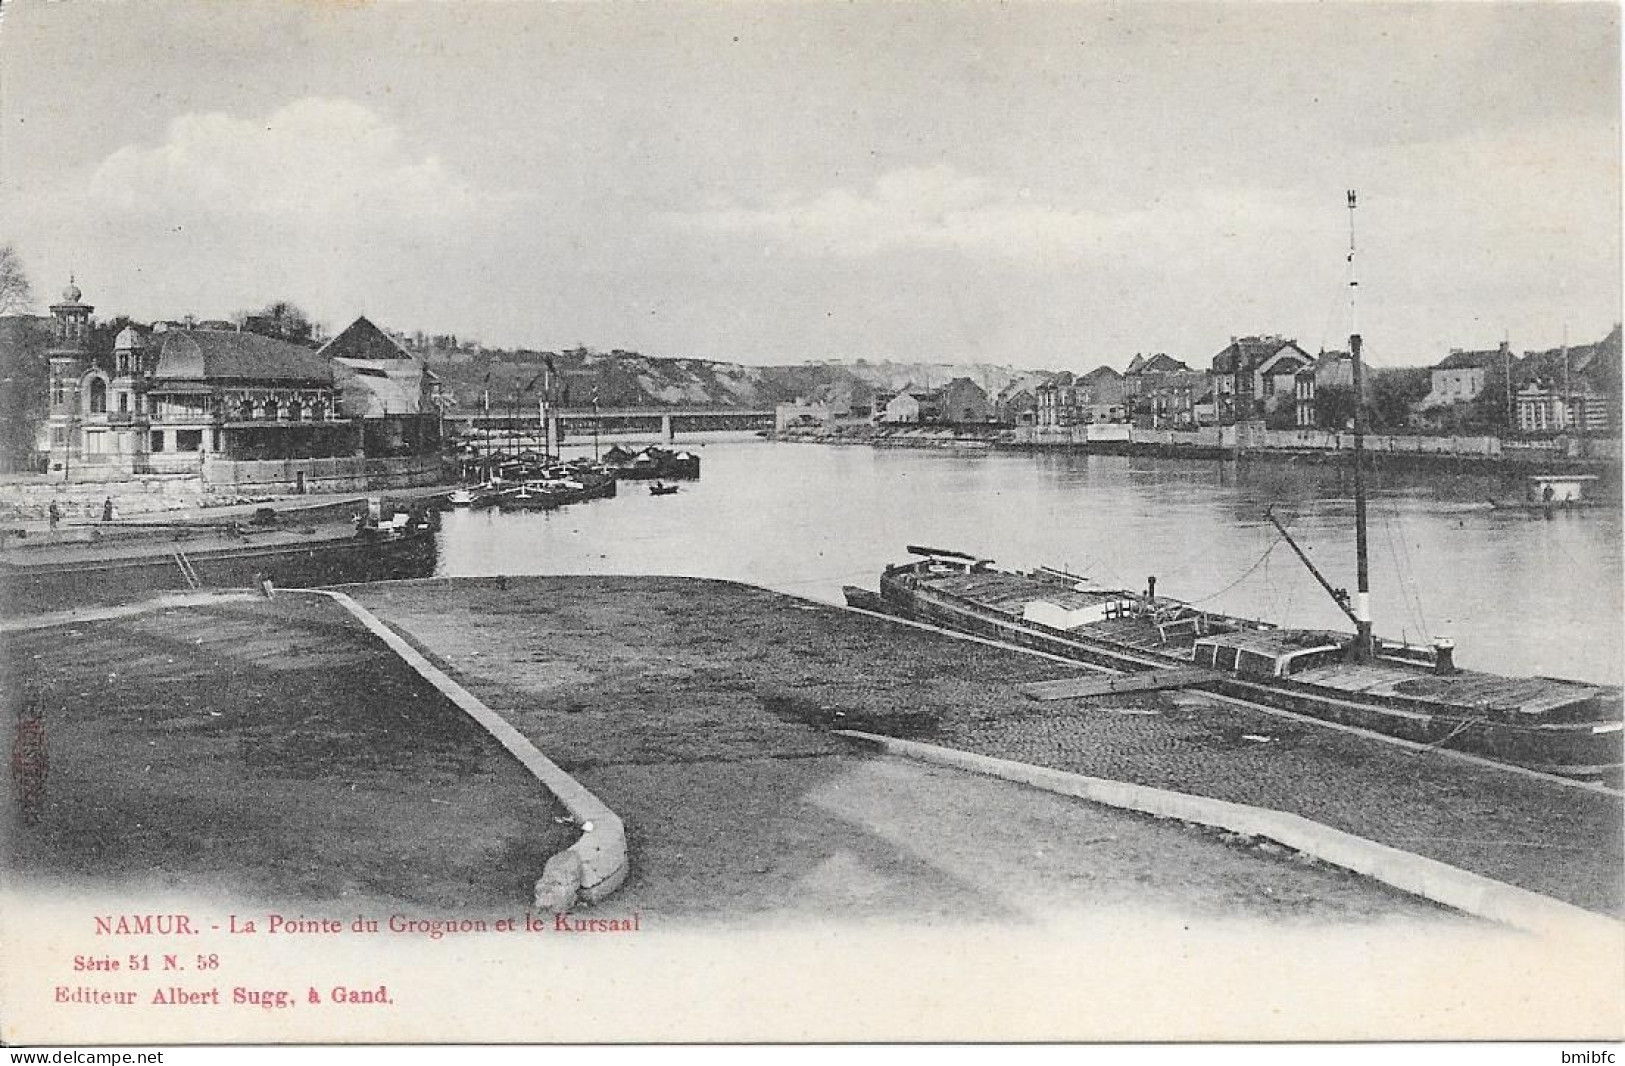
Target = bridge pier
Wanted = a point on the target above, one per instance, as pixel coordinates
(666, 431)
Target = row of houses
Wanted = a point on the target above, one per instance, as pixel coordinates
(1271, 378)
(1553, 391)
(166, 397)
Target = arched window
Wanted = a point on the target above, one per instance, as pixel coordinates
(98, 396)
(295, 412)
(270, 408)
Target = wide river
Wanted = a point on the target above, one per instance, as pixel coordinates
(1517, 592)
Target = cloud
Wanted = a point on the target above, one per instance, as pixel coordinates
(941, 208)
(316, 162)
(323, 201)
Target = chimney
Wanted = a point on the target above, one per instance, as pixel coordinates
(1444, 657)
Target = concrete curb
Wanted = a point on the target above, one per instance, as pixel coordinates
(597, 862)
(1450, 886)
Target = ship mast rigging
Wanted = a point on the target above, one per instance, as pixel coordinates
(1358, 607)
(1362, 650)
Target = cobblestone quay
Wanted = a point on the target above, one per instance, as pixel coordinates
(717, 654)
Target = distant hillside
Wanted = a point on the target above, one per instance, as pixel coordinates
(631, 379)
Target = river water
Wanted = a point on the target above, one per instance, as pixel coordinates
(1517, 592)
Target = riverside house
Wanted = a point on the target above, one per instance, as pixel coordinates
(1462, 375)
(961, 401)
(1570, 388)
(1252, 376)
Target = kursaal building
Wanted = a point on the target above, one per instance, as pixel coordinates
(181, 400)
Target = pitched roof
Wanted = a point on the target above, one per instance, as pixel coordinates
(1578, 358)
(1100, 372)
(1245, 353)
(363, 340)
(1028, 382)
(1161, 363)
(1283, 354)
(209, 355)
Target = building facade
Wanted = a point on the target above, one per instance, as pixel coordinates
(393, 393)
(1462, 375)
(163, 402)
(1095, 397)
(1313, 383)
(1255, 376)
(1544, 407)
(70, 380)
(240, 395)
(961, 400)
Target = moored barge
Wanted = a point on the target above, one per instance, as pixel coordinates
(1415, 693)
(130, 561)
(1555, 725)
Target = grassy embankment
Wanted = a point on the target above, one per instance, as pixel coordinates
(268, 751)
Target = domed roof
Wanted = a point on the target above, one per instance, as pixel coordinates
(71, 294)
(128, 339)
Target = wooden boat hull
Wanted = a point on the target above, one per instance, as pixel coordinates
(1554, 507)
(536, 501)
(862, 598)
(1586, 749)
(548, 497)
(670, 473)
(321, 560)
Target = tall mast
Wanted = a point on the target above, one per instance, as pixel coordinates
(1362, 649)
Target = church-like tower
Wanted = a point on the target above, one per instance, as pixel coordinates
(130, 372)
(69, 357)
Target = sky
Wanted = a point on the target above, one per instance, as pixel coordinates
(1034, 184)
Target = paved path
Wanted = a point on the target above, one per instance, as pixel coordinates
(74, 615)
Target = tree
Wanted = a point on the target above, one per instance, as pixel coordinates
(1334, 406)
(24, 389)
(283, 319)
(1281, 416)
(102, 336)
(1393, 393)
(1489, 411)
(16, 295)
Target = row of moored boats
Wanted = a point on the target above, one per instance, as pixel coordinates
(528, 482)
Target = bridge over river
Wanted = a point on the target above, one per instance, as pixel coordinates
(563, 423)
